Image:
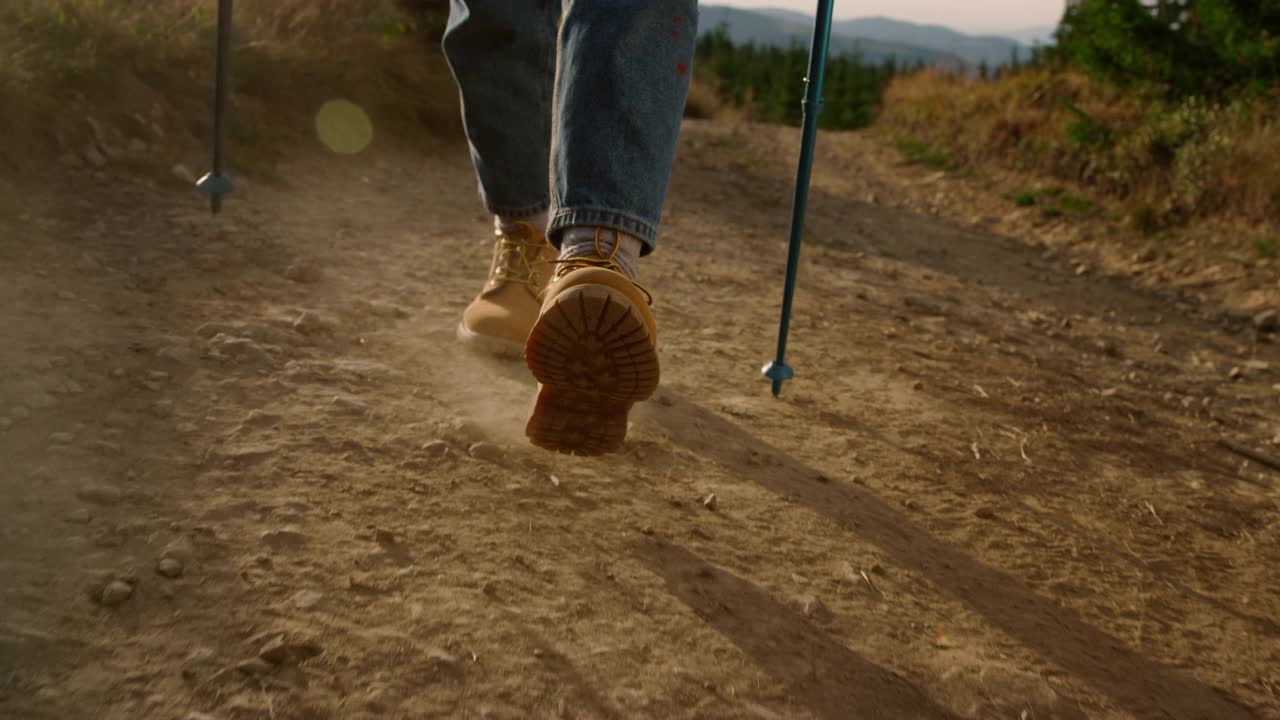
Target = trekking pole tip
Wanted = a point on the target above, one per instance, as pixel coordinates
(216, 186)
(779, 372)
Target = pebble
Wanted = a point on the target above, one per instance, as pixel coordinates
(93, 155)
(303, 272)
(100, 493)
(283, 538)
(183, 174)
(115, 593)
(385, 309)
(81, 516)
(200, 657)
(812, 606)
(307, 599)
(254, 667)
(485, 451)
(169, 567)
(711, 502)
(1267, 321)
(240, 348)
(309, 323)
(278, 651)
(436, 449)
(350, 404)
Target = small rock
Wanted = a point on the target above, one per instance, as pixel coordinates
(169, 567)
(812, 606)
(100, 493)
(985, 513)
(240, 348)
(384, 309)
(200, 656)
(303, 272)
(485, 451)
(555, 481)
(81, 516)
(1235, 374)
(183, 174)
(309, 323)
(350, 404)
(1107, 347)
(278, 651)
(711, 502)
(307, 599)
(93, 155)
(180, 549)
(115, 593)
(384, 537)
(436, 449)
(254, 667)
(197, 660)
(1267, 321)
(283, 538)
(261, 418)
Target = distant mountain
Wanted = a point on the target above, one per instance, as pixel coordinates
(877, 38)
(1031, 36)
(782, 28)
(972, 49)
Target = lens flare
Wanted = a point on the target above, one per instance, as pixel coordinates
(343, 127)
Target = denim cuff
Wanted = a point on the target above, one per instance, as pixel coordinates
(600, 217)
(515, 213)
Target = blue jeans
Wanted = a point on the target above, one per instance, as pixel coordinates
(574, 106)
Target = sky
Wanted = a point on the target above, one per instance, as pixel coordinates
(984, 16)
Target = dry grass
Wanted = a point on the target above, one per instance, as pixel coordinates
(1166, 164)
(704, 103)
(59, 58)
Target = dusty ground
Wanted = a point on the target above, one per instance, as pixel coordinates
(995, 490)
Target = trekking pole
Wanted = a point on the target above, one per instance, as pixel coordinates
(215, 183)
(778, 371)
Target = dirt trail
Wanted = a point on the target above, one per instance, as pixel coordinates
(995, 490)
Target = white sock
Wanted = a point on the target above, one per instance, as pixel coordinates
(581, 241)
(538, 221)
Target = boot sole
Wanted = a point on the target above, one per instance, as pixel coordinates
(594, 358)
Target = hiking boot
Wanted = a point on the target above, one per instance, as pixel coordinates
(499, 319)
(593, 351)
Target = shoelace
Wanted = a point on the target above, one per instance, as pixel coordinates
(517, 257)
(600, 260)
